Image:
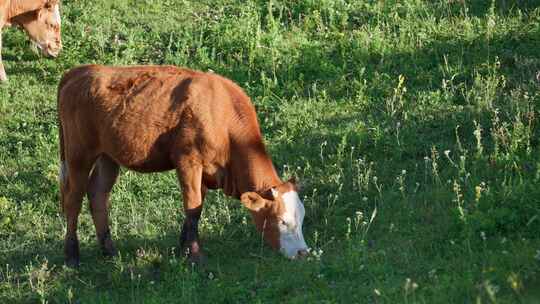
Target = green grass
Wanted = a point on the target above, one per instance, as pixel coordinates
(425, 111)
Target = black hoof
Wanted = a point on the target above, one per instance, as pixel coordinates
(194, 255)
(109, 252)
(106, 244)
(71, 252)
(198, 260)
(72, 262)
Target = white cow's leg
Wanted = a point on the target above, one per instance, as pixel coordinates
(3, 76)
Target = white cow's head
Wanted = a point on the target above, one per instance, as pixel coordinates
(43, 27)
(278, 214)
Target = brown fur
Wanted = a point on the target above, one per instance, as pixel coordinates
(158, 118)
(37, 17)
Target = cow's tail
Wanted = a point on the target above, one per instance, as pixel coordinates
(62, 174)
(63, 170)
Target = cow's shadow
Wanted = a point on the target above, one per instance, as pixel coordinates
(150, 259)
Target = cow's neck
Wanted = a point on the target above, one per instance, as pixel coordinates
(18, 7)
(251, 169)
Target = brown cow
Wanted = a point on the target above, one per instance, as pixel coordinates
(157, 118)
(39, 18)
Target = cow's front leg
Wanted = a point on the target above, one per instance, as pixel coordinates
(3, 76)
(190, 177)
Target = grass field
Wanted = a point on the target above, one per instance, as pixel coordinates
(414, 126)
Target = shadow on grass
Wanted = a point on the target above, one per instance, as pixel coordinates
(144, 264)
(502, 7)
(459, 60)
(339, 67)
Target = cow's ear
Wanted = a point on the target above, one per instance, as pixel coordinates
(253, 201)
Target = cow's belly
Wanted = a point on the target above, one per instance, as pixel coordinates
(152, 165)
(141, 153)
(152, 162)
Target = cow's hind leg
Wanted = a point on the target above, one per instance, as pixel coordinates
(190, 177)
(73, 193)
(99, 188)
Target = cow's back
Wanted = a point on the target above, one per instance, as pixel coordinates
(140, 116)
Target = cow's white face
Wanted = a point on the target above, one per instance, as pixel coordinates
(279, 215)
(291, 239)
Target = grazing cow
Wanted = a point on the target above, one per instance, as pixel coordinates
(157, 118)
(39, 18)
